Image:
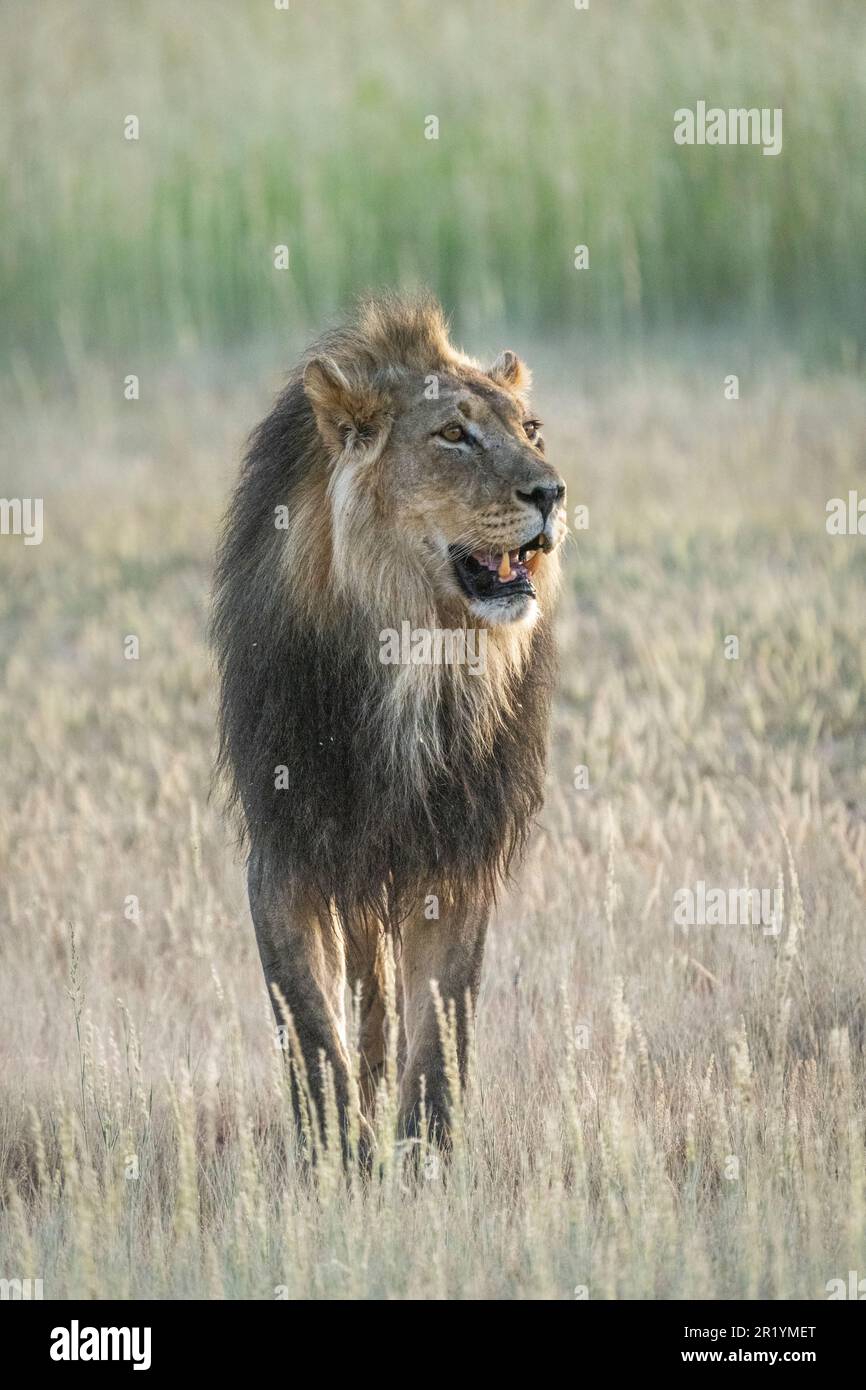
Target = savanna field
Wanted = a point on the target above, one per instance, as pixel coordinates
(655, 1111)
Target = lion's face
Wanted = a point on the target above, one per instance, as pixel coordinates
(473, 488)
(452, 463)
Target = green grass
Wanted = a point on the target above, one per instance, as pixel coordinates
(307, 128)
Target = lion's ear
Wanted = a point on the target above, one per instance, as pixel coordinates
(509, 371)
(351, 413)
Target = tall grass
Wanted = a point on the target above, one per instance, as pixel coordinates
(741, 1174)
(307, 128)
(653, 1112)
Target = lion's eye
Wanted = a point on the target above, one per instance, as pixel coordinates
(453, 433)
(532, 428)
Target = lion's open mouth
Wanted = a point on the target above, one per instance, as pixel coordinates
(506, 574)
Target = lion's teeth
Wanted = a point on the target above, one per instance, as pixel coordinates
(504, 570)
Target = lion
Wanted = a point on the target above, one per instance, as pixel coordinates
(396, 487)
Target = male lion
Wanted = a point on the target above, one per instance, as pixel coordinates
(394, 482)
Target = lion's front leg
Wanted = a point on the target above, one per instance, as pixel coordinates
(450, 951)
(366, 953)
(303, 955)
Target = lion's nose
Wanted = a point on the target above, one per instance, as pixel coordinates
(544, 498)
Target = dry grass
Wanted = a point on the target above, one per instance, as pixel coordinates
(622, 1062)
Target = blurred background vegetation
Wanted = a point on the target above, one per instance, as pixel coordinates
(260, 127)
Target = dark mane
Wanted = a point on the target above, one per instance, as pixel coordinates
(299, 695)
